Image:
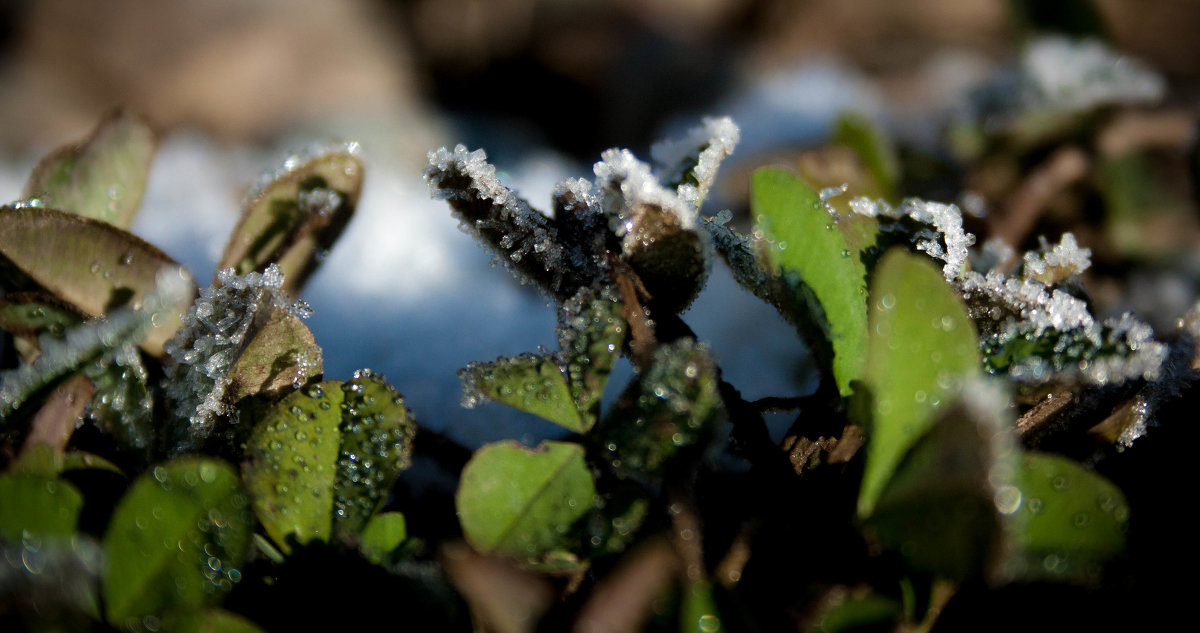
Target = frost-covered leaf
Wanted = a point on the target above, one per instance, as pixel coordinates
(322, 460)
(673, 405)
(103, 177)
(922, 344)
(805, 245)
(295, 214)
(530, 383)
(88, 342)
(1063, 521)
(873, 147)
(689, 164)
(237, 339)
(526, 241)
(91, 265)
(383, 533)
(38, 506)
(524, 503)
(177, 540)
(938, 508)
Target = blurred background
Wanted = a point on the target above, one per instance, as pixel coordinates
(543, 86)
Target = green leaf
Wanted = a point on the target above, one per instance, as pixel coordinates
(384, 533)
(939, 508)
(209, 621)
(104, 176)
(699, 610)
(673, 405)
(590, 332)
(872, 145)
(808, 246)
(37, 505)
(176, 540)
(91, 265)
(524, 503)
(322, 460)
(1064, 521)
(922, 344)
(529, 383)
(296, 214)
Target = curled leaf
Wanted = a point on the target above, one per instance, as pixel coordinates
(296, 213)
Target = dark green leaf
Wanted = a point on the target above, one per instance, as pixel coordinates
(524, 503)
(45, 461)
(699, 610)
(37, 505)
(1063, 521)
(296, 214)
(674, 404)
(91, 265)
(176, 540)
(322, 460)
(590, 332)
(806, 244)
(103, 177)
(29, 314)
(922, 344)
(853, 613)
(384, 533)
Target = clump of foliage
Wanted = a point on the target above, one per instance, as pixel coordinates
(936, 465)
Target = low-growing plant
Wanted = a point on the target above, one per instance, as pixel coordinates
(175, 458)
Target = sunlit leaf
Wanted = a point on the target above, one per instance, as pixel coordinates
(295, 215)
(281, 354)
(322, 460)
(37, 505)
(176, 540)
(104, 176)
(922, 343)
(91, 265)
(806, 245)
(523, 503)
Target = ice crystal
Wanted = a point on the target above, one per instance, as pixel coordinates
(215, 331)
(298, 159)
(628, 189)
(1058, 263)
(691, 161)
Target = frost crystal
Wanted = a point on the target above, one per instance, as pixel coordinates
(627, 187)
(1080, 75)
(691, 162)
(215, 330)
(1054, 264)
